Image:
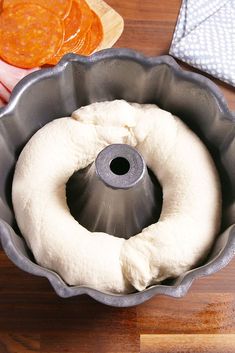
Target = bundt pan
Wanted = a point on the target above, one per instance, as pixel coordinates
(107, 75)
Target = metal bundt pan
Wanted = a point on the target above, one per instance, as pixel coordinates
(107, 75)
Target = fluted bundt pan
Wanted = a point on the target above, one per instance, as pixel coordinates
(107, 75)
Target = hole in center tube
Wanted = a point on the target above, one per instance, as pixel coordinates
(120, 166)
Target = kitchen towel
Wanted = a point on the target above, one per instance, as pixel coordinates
(205, 37)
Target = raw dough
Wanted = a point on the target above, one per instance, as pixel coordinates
(190, 217)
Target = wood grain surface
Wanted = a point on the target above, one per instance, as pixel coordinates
(34, 319)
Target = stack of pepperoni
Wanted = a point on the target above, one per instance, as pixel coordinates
(38, 32)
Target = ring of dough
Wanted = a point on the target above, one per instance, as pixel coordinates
(190, 216)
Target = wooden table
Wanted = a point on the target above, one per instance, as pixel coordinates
(34, 319)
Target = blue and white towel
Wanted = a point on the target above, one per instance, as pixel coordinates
(205, 37)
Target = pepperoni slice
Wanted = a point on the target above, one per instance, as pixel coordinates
(29, 35)
(72, 22)
(69, 47)
(96, 33)
(93, 38)
(60, 7)
(84, 25)
(83, 49)
(86, 17)
(77, 42)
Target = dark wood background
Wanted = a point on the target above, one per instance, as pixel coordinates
(34, 319)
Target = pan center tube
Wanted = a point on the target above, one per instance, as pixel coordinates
(116, 194)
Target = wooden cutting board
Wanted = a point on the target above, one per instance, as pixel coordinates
(113, 23)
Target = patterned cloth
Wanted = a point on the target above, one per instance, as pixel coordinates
(205, 37)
